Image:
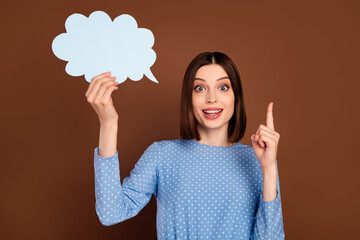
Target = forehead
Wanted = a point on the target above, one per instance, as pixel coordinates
(211, 72)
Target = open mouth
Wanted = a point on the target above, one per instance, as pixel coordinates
(212, 111)
(212, 114)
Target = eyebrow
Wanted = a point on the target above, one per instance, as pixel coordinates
(216, 79)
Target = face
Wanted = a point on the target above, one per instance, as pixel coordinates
(212, 91)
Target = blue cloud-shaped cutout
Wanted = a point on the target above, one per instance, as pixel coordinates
(97, 44)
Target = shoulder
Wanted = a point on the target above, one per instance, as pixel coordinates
(163, 145)
(247, 152)
(163, 149)
(248, 149)
(253, 160)
(244, 149)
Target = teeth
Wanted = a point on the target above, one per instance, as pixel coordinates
(212, 111)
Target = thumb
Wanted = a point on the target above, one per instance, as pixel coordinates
(254, 142)
(253, 139)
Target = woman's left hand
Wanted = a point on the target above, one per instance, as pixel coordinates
(266, 140)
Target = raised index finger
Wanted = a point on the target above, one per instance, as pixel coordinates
(269, 116)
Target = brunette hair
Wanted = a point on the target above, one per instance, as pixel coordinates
(188, 122)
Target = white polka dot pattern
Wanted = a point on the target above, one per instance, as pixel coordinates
(202, 191)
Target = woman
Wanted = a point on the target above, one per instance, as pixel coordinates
(207, 184)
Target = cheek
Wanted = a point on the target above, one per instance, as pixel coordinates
(231, 103)
(196, 102)
(230, 99)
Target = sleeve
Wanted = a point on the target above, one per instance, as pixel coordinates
(115, 202)
(268, 217)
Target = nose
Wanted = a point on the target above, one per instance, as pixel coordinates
(211, 98)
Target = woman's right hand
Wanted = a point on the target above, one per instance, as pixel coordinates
(99, 96)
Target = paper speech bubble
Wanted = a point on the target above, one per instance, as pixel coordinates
(96, 45)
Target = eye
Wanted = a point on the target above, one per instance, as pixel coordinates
(197, 88)
(226, 86)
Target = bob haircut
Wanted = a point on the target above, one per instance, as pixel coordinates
(188, 122)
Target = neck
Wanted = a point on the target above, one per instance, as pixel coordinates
(214, 137)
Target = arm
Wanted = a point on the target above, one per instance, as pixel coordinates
(115, 202)
(269, 184)
(108, 138)
(268, 216)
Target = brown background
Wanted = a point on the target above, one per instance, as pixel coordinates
(302, 55)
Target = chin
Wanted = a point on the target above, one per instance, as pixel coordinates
(212, 125)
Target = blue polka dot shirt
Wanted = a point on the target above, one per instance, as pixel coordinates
(201, 191)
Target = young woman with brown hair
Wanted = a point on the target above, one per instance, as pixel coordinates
(207, 184)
